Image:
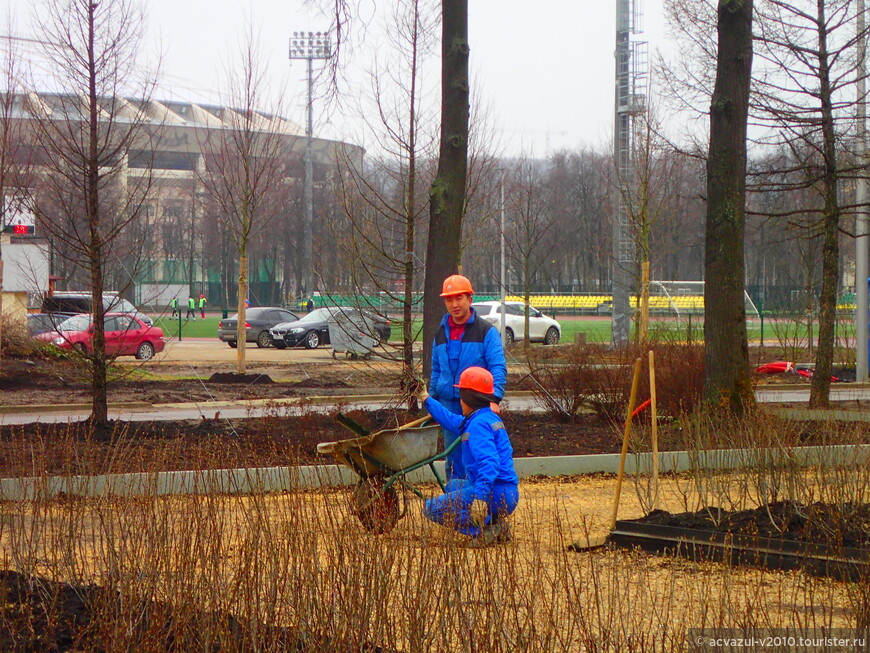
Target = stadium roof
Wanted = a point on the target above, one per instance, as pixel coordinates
(174, 113)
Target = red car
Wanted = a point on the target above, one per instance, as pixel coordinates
(126, 335)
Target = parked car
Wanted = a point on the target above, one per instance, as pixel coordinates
(126, 335)
(312, 329)
(42, 322)
(75, 302)
(258, 321)
(541, 328)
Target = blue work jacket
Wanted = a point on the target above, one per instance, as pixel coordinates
(487, 452)
(480, 347)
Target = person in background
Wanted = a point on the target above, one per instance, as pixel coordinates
(479, 505)
(191, 308)
(202, 302)
(462, 341)
(174, 305)
(309, 305)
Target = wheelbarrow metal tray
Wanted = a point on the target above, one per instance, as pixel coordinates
(389, 450)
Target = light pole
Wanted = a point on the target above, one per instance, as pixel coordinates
(502, 280)
(309, 46)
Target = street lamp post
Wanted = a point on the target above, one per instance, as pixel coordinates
(309, 46)
(502, 275)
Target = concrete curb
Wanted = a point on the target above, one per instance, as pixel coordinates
(241, 403)
(144, 405)
(72, 408)
(281, 401)
(279, 479)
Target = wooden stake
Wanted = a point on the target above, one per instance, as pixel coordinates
(655, 430)
(632, 398)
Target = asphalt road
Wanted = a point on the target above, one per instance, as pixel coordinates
(212, 349)
(237, 410)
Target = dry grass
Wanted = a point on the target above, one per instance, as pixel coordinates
(295, 570)
(301, 561)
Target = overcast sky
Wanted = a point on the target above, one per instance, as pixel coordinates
(544, 68)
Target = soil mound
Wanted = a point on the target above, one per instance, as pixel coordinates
(232, 377)
(840, 524)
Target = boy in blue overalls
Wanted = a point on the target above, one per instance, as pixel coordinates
(476, 506)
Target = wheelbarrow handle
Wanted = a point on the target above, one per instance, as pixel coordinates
(416, 422)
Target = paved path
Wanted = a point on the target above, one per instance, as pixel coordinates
(326, 405)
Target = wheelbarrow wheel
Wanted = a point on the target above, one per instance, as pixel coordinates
(376, 508)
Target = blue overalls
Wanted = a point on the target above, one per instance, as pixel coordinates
(487, 455)
(480, 346)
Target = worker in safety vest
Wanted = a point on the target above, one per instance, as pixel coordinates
(202, 302)
(174, 305)
(479, 505)
(191, 308)
(462, 341)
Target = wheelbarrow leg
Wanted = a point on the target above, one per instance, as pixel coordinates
(437, 476)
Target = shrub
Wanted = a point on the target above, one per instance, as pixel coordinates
(593, 377)
(16, 338)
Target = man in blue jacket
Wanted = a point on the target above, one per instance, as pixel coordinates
(476, 506)
(462, 341)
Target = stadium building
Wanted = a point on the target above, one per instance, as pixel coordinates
(189, 250)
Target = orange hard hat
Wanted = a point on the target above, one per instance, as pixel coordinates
(456, 284)
(476, 378)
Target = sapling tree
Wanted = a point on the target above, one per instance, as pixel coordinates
(83, 134)
(245, 166)
(384, 199)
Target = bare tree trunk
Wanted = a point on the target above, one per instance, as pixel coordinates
(241, 332)
(100, 400)
(1, 313)
(410, 230)
(820, 389)
(447, 194)
(527, 294)
(727, 382)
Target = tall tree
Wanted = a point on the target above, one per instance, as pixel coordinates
(727, 378)
(10, 141)
(245, 165)
(84, 134)
(811, 47)
(384, 199)
(447, 193)
(530, 234)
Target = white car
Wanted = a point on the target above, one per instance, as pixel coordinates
(541, 328)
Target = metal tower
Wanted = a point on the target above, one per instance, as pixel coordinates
(632, 64)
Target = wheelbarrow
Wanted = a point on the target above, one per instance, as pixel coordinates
(383, 459)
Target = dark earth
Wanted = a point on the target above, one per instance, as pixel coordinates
(40, 615)
(835, 524)
(216, 442)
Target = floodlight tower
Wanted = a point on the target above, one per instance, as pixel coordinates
(631, 87)
(309, 46)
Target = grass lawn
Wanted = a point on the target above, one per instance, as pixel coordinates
(197, 328)
(597, 329)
